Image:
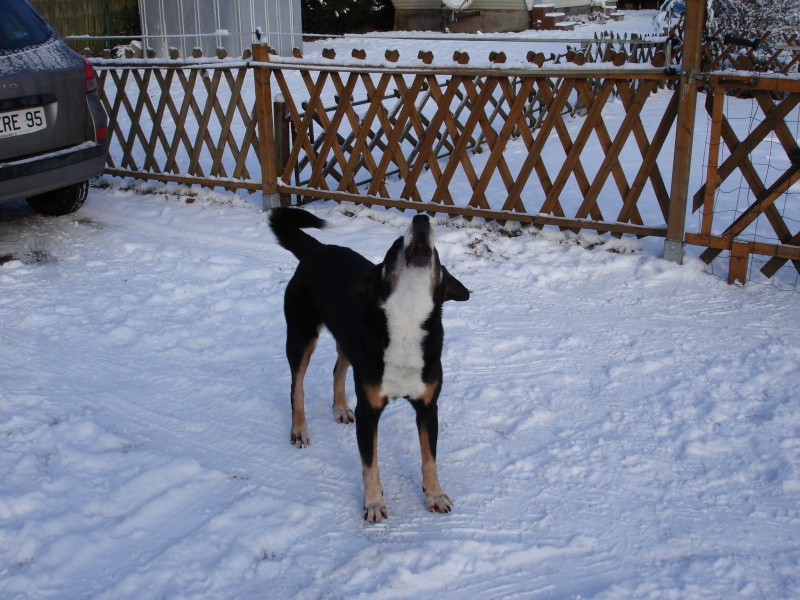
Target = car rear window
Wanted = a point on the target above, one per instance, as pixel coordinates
(21, 26)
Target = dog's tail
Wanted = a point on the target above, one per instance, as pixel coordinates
(288, 223)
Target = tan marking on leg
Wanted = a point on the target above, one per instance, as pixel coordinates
(427, 396)
(374, 507)
(341, 411)
(375, 399)
(435, 498)
(299, 426)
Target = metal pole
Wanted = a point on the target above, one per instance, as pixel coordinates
(684, 135)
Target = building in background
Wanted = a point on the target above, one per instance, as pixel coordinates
(469, 16)
(190, 24)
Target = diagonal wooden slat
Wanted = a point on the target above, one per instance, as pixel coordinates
(516, 118)
(555, 104)
(331, 128)
(572, 164)
(427, 137)
(460, 151)
(157, 134)
(495, 141)
(180, 117)
(363, 127)
(408, 96)
(301, 124)
(302, 139)
(764, 199)
(649, 169)
(135, 128)
(739, 150)
(613, 150)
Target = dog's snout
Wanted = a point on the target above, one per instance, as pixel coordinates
(421, 219)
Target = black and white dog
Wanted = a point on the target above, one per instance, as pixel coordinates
(387, 323)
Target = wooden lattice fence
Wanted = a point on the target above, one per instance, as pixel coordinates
(193, 124)
(438, 134)
(426, 137)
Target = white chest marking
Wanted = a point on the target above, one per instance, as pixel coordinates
(406, 310)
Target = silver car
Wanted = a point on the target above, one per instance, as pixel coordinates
(53, 129)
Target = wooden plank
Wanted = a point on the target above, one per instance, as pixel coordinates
(720, 243)
(208, 182)
(717, 99)
(737, 267)
(775, 263)
(473, 212)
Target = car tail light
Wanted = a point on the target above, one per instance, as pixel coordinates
(101, 133)
(89, 75)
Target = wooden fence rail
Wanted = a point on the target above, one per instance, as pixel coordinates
(438, 134)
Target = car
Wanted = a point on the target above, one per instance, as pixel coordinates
(53, 128)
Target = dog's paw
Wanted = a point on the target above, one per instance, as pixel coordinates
(375, 512)
(439, 503)
(300, 437)
(343, 415)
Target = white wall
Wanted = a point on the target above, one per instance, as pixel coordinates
(177, 23)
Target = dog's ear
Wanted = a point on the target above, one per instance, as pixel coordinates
(453, 288)
(368, 284)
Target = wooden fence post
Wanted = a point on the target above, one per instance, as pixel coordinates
(266, 131)
(684, 133)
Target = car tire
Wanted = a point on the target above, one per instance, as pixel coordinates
(62, 201)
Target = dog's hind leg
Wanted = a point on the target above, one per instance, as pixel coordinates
(341, 411)
(299, 348)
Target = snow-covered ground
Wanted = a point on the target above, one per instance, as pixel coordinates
(612, 425)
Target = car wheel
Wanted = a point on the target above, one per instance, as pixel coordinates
(62, 201)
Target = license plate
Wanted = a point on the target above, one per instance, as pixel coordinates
(21, 122)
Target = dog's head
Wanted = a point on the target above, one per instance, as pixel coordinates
(413, 254)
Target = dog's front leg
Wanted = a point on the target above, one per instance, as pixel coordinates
(368, 412)
(428, 427)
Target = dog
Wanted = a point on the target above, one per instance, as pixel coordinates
(386, 320)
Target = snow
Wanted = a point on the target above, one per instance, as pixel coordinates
(612, 425)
